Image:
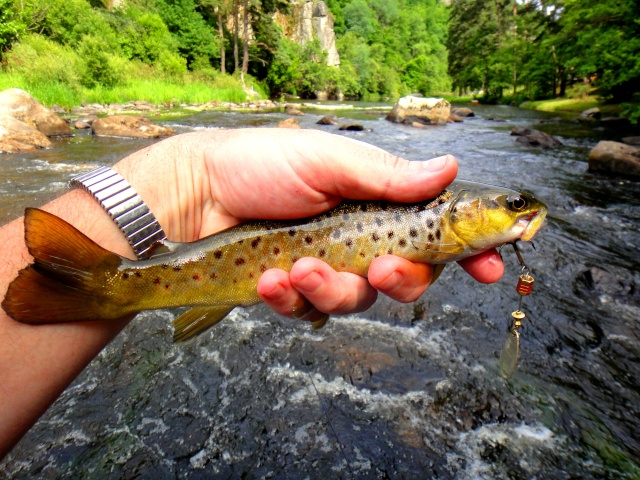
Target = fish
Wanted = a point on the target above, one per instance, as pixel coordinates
(74, 279)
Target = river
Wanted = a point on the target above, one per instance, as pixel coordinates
(400, 391)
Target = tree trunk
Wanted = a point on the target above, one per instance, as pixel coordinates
(223, 60)
(245, 39)
(236, 62)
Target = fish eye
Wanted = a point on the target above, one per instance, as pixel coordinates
(518, 204)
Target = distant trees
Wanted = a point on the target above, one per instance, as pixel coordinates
(539, 48)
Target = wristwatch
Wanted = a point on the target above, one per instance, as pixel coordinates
(124, 206)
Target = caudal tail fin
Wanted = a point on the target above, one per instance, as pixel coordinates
(66, 281)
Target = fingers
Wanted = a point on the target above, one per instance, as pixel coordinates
(486, 267)
(398, 278)
(313, 283)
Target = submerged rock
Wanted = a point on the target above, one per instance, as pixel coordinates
(84, 122)
(20, 105)
(535, 138)
(615, 158)
(328, 120)
(291, 110)
(430, 111)
(289, 123)
(129, 126)
(463, 112)
(354, 127)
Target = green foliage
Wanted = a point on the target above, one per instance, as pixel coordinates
(12, 25)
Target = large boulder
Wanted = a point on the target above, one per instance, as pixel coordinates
(17, 137)
(129, 126)
(22, 106)
(615, 158)
(535, 138)
(430, 111)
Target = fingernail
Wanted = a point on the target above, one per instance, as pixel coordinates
(437, 164)
(276, 293)
(391, 282)
(310, 283)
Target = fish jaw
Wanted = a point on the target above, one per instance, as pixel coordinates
(534, 225)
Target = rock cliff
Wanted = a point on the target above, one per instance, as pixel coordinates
(310, 19)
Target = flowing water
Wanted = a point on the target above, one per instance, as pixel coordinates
(400, 391)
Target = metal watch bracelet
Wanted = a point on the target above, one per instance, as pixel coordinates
(124, 206)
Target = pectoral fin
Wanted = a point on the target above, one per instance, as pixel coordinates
(437, 270)
(196, 321)
(447, 249)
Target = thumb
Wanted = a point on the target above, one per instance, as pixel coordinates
(356, 170)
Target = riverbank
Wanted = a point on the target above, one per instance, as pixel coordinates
(187, 90)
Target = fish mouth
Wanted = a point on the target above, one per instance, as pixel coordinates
(535, 222)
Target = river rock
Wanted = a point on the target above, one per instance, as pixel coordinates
(328, 120)
(291, 110)
(535, 138)
(289, 123)
(410, 109)
(354, 127)
(84, 122)
(615, 158)
(453, 118)
(17, 137)
(463, 111)
(591, 113)
(129, 126)
(22, 106)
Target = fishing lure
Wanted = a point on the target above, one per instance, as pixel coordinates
(510, 353)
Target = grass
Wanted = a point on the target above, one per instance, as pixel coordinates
(155, 91)
(572, 105)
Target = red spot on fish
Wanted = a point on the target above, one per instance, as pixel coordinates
(196, 277)
(157, 281)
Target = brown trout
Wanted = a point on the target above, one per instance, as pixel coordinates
(74, 279)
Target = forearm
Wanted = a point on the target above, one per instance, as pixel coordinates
(38, 362)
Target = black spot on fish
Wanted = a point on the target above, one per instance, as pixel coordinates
(196, 277)
(167, 287)
(390, 234)
(375, 237)
(348, 242)
(157, 281)
(438, 234)
(362, 254)
(402, 242)
(376, 255)
(213, 276)
(379, 221)
(250, 275)
(430, 223)
(177, 268)
(218, 254)
(255, 242)
(235, 281)
(292, 232)
(390, 251)
(276, 251)
(240, 261)
(413, 233)
(308, 239)
(263, 268)
(322, 253)
(343, 265)
(430, 237)
(125, 276)
(138, 274)
(240, 242)
(165, 265)
(359, 227)
(295, 259)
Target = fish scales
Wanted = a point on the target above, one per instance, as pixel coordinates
(226, 268)
(74, 279)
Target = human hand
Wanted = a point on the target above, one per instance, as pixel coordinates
(225, 177)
